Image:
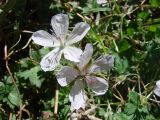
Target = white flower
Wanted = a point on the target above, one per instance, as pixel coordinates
(101, 1)
(157, 88)
(61, 40)
(85, 71)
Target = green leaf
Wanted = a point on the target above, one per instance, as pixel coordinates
(143, 15)
(32, 75)
(122, 116)
(130, 108)
(2, 91)
(143, 109)
(14, 98)
(123, 45)
(155, 3)
(101, 112)
(121, 65)
(130, 31)
(152, 28)
(157, 40)
(150, 117)
(38, 54)
(134, 98)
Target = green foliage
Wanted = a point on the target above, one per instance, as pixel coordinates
(14, 98)
(129, 30)
(121, 65)
(32, 75)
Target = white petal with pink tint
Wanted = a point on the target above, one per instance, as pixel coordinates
(45, 39)
(60, 23)
(78, 33)
(103, 63)
(72, 53)
(51, 60)
(77, 96)
(66, 75)
(97, 84)
(86, 56)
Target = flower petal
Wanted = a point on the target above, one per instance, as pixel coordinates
(77, 96)
(79, 31)
(101, 1)
(86, 56)
(97, 84)
(157, 88)
(103, 63)
(72, 53)
(43, 38)
(60, 23)
(51, 60)
(66, 75)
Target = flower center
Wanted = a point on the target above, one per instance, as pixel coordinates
(62, 44)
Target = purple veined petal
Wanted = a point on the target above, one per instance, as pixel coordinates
(60, 23)
(86, 56)
(77, 96)
(103, 63)
(43, 38)
(51, 60)
(157, 88)
(66, 75)
(97, 84)
(78, 33)
(72, 53)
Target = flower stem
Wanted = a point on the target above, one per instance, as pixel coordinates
(56, 102)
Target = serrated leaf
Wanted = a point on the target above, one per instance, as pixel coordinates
(121, 65)
(130, 108)
(134, 98)
(32, 75)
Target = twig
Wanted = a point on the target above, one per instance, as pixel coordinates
(27, 31)
(16, 42)
(154, 100)
(10, 116)
(56, 102)
(10, 74)
(24, 45)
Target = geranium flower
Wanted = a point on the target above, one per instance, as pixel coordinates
(85, 71)
(157, 88)
(61, 40)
